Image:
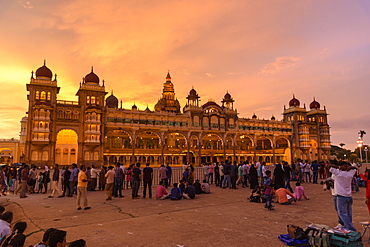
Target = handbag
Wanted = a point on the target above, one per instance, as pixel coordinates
(296, 232)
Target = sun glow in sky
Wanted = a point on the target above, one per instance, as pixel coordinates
(261, 52)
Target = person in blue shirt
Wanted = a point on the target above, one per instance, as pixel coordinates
(73, 180)
(175, 193)
(315, 171)
(169, 174)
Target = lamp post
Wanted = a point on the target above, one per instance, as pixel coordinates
(366, 149)
(359, 144)
(345, 157)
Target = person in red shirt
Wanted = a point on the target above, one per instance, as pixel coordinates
(367, 197)
(161, 192)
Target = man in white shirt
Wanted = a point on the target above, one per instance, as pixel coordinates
(6, 219)
(342, 193)
(94, 178)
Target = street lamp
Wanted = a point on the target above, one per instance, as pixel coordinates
(366, 149)
(359, 144)
(345, 157)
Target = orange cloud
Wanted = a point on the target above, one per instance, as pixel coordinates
(279, 64)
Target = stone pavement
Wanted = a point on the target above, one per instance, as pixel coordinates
(223, 218)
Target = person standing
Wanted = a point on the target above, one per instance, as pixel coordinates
(233, 175)
(169, 174)
(148, 179)
(102, 177)
(24, 178)
(66, 177)
(163, 175)
(205, 171)
(82, 189)
(118, 181)
(227, 179)
(32, 178)
(55, 183)
(315, 171)
(342, 193)
(287, 172)
(94, 178)
(73, 180)
(217, 174)
(279, 175)
(46, 179)
(210, 173)
(110, 175)
(136, 178)
(221, 170)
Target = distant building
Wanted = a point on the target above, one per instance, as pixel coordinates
(97, 130)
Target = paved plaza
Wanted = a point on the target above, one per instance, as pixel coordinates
(223, 218)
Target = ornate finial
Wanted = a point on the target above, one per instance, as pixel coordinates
(121, 104)
(284, 108)
(304, 105)
(32, 74)
(168, 74)
(324, 108)
(104, 83)
(55, 78)
(112, 92)
(92, 68)
(293, 96)
(83, 79)
(44, 62)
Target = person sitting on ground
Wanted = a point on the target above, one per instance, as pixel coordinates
(284, 196)
(256, 195)
(189, 191)
(45, 238)
(58, 239)
(206, 189)
(6, 220)
(78, 243)
(182, 186)
(299, 192)
(198, 187)
(161, 192)
(175, 193)
(16, 238)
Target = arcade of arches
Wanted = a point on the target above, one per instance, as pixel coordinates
(177, 148)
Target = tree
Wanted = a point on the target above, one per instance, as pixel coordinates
(353, 157)
(341, 144)
(362, 133)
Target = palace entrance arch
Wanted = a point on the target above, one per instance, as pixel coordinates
(66, 147)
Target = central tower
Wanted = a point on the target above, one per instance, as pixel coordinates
(168, 102)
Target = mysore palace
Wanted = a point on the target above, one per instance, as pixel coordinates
(96, 130)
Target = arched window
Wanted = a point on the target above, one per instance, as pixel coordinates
(43, 95)
(37, 95)
(88, 100)
(92, 100)
(97, 101)
(48, 97)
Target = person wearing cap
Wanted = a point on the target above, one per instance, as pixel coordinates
(109, 176)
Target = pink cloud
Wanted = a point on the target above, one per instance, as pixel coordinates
(279, 64)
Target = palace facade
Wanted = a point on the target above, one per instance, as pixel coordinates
(95, 129)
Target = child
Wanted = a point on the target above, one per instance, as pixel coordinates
(186, 175)
(268, 190)
(299, 192)
(40, 181)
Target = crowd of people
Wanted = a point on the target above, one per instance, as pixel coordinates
(15, 237)
(264, 182)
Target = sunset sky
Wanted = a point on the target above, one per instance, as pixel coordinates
(261, 52)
